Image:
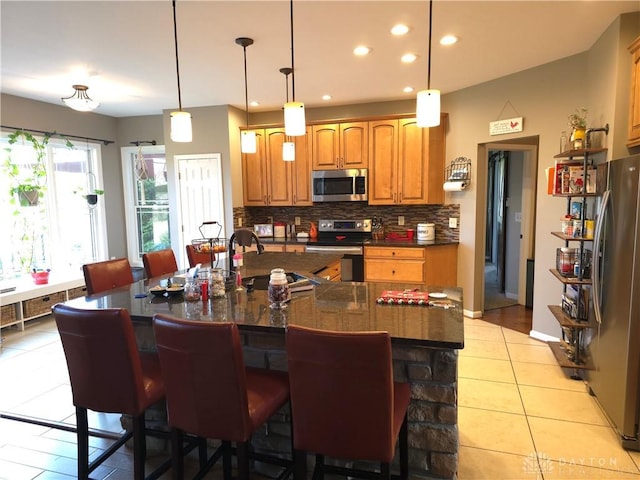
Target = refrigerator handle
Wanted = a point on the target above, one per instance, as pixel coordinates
(597, 247)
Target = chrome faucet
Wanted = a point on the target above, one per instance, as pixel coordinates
(245, 237)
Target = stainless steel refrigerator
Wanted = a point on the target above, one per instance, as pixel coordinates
(615, 347)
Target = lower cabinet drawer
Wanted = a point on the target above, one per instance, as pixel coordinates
(41, 305)
(394, 271)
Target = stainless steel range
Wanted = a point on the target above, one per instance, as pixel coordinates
(346, 237)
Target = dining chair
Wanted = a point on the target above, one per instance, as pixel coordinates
(212, 394)
(102, 276)
(159, 263)
(344, 402)
(108, 374)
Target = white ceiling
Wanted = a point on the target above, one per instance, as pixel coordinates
(124, 50)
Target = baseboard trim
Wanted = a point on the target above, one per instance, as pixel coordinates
(542, 336)
(472, 313)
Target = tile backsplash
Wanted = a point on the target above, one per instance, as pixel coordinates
(413, 214)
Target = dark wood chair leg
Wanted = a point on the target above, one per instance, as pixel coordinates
(242, 453)
(83, 443)
(318, 469)
(226, 460)
(202, 451)
(139, 447)
(177, 459)
(404, 449)
(385, 471)
(299, 465)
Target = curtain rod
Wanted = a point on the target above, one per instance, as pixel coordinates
(64, 135)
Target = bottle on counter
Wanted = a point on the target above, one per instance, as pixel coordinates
(278, 293)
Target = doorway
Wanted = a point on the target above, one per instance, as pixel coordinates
(509, 221)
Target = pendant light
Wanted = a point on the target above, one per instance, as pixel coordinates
(294, 121)
(428, 101)
(288, 147)
(80, 101)
(247, 137)
(180, 121)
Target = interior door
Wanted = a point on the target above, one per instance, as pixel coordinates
(200, 189)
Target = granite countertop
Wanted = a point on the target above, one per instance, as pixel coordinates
(379, 243)
(340, 306)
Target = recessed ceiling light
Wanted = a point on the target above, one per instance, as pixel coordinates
(409, 58)
(400, 29)
(448, 40)
(407, 89)
(326, 97)
(254, 103)
(361, 50)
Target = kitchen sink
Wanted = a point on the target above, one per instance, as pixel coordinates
(261, 282)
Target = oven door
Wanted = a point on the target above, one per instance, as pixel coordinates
(352, 263)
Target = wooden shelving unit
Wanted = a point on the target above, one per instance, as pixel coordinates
(570, 351)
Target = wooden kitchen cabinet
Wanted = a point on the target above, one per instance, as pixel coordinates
(340, 145)
(634, 97)
(406, 162)
(267, 180)
(432, 265)
(394, 264)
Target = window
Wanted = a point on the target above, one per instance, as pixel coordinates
(146, 192)
(62, 231)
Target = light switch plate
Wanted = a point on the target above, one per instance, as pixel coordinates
(401, 220)
(297, 221)
(453, 222)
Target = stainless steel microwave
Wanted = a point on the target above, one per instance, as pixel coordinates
(339, 185)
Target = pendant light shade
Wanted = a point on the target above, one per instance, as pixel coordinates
(288, 151)
(428, 108)
(247, 138)
(248, 141)
(294, 118)
(80, 101)
(180, 121)
(181, 127)
(288, 147)
(428, 101)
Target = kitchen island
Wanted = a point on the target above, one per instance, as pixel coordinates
(425, 340)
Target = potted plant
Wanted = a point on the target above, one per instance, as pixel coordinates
(28, 184)
(578, 121)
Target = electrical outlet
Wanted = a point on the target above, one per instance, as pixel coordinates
(453, 222)
(269, 219)
(400, 220)
(239, 221)
(296, 220)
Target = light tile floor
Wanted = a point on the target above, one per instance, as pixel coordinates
(520, 416)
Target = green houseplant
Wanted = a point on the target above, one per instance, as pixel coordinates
(28, 183)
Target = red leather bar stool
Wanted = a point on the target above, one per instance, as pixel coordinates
(159, 263)
(102, 276)
(344, 401)
(211, 394)
(195, 257)
(108, 374)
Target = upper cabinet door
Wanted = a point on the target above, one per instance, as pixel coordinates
(340, 145)
(326, 146)
(278, 171)
(254, 174)
(383, 158)
(354, 145)
(634, 97)
(301, 170)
